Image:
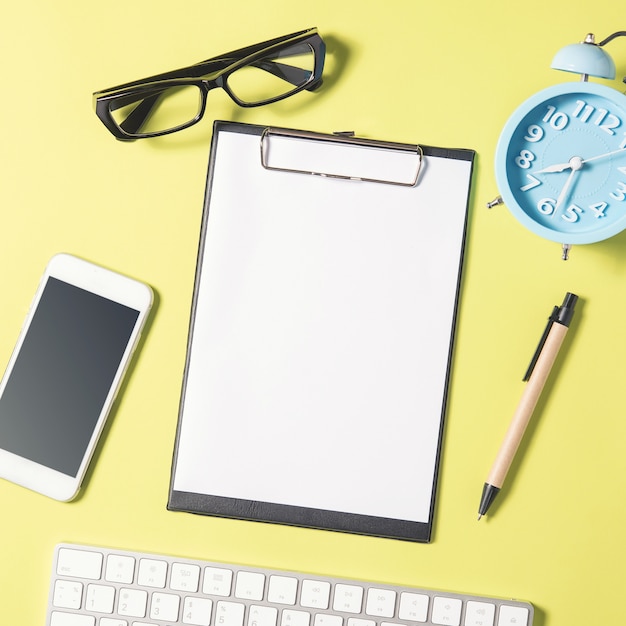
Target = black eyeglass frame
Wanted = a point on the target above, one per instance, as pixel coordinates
(206, 75)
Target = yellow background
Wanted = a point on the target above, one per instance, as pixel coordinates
(445, 73)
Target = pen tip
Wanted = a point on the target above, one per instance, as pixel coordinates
(479, 516)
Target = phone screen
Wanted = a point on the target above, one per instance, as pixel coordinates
(62, 375)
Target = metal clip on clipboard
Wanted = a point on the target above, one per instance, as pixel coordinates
(279, 152)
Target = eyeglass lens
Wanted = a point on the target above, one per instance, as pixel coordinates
(267, 78)
(157, 111)
(273, 76)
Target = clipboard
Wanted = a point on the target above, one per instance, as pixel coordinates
(321, 334)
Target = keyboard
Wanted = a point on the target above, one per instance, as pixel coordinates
(96, 586)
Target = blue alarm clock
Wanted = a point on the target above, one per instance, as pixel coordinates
(560, 160)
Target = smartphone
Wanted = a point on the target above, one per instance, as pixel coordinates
(63, 375)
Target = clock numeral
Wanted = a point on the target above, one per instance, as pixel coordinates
(572, 213)
(534, 133)
(534, 182)
(620, 194)
(525, 158)
(605, 120)
(546, 206)
(583, 111)
(598, 209)
(557, 119)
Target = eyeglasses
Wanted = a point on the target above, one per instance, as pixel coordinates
(251, 76)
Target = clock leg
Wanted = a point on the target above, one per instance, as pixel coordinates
(566, 248)
(495, 202)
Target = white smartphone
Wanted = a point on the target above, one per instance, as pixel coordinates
(71, 355)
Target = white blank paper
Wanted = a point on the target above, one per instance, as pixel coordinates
(321, 336)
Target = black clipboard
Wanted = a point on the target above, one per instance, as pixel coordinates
(321, 334)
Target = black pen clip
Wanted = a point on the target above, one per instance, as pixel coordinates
(553, 318)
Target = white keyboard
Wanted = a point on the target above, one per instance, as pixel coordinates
(94, 586)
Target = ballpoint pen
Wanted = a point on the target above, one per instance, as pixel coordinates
(536, 376)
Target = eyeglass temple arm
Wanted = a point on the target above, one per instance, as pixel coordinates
(215, 64)
(133, 123)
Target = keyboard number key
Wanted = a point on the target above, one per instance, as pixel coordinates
(380, 602)
(479, 613)
(323, 619)
(229, 614)
(164, 606)
(315, 594)
(100, 598)
(413, 606)
(512, 616)
(133, 602)
(67, 594)
(446, 611)
(197, 611)
(262, 616)
(295, 618)
(348, 598)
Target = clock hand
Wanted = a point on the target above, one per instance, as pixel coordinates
(559, 167)
(564, 191)
(606, 154)
(575, 163)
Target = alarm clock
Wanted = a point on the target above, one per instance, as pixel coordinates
(560, 161)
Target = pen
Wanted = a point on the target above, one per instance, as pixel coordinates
(536, 375)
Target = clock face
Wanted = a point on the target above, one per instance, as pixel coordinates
(561, 163)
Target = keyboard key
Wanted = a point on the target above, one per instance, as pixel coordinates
(380, 602)
(249, 586)
(229, 613)
(119, 569)
(67, 594)
(100, 598)
(446, 611)
(348, 598)
(185, 577)
(262, 616)
(295, 618)
(197, 611)
(413, 606)
(112, 621)
(217, 581)
(357, 621)
(315, 594)
(152, 573)
(79, 563)
(282, 590)
(133, 602)
(164, 606)
(513, 616)
(479, 614)
(71, 619)
(324, 619)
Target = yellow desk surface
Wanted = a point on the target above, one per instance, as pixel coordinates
(445, 73)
